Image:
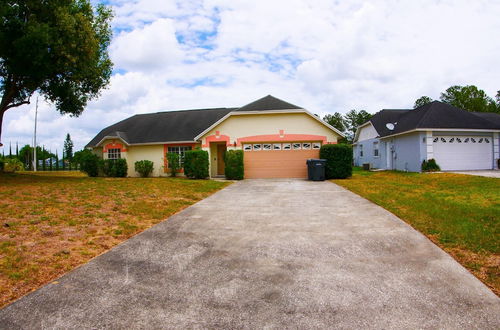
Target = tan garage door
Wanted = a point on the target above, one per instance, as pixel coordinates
(281, 163)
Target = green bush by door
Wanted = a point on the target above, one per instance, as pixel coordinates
(234, 169)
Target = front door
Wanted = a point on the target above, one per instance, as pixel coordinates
(221, 152)
(388, 155)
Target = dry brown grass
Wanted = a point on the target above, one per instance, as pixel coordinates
(54, 222)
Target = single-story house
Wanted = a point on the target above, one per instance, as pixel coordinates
(403, 139)
(277, 138)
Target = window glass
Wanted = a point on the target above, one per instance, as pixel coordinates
(375, 149)
(316, 145)
(306, 146)
(287, 146)
(266, 146)
(257, 147)
(180, 150)
(114, 153)
(247, 147)
(296, 146)
(277, 146)
(360, 150)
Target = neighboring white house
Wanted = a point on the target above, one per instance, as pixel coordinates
(403, 139)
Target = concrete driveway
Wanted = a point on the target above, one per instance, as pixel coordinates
(267, 254)
(486, 173)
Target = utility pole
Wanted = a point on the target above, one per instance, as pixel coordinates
(34, 139)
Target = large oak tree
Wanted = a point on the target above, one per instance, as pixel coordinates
(58, 48)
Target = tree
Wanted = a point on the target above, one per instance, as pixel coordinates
(352, 120)
(469, 98)
(56, 48)
(422, 100)
(68, 147)
(336, 120)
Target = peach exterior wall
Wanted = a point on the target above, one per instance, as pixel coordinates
(241, 126)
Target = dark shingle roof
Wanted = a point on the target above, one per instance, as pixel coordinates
(182, 125)
(432, 115)
(490, 116)
(381, 118)
(268, 103)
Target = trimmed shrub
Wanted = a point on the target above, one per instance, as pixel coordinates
(144, 167)
(338, 160)
(115, 168)
(173, 163)
(89, 163)
(13, 165)
(234, 165)
(430, 166)
(196, 164)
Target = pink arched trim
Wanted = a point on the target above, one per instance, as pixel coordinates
(217, 137)
(114, 145)
(282, 138)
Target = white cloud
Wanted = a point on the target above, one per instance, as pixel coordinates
(324, 55)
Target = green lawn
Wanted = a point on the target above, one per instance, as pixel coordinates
(52, 222)
(460, 213)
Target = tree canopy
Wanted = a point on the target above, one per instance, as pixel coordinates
(68, 148)
(349, 122)
(422, 100)
(469, 98)
(56, 48)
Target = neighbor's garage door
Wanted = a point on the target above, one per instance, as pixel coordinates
(454, 153)
(278, 160)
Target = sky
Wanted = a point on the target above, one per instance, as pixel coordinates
(326, 56)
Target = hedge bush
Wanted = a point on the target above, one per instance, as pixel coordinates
(144, 167)
(234, 165)
(1, 165)
(196, 164)
(115, 168)
(173, 163)
(338, 160)
(13, 165)
(430, 166)
(89, 163)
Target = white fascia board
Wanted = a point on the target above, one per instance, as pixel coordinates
(325, 123)
(145, 144)
(109, 138)
(442, 130)
(212, 126)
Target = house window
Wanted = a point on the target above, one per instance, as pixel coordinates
(296, 146)
(287, 146)
(360, 150)
(277, 146)
(375, 149)
(306, 146)
(247, 147)
(180, 150)
(257, 147)
(114, 153)
(266, 146)
(316, 145)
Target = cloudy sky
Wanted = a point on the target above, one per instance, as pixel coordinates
(326, 56)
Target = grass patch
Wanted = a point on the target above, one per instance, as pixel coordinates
(52, 222)
(460, 213)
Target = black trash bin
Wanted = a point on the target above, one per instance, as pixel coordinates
(316, 169)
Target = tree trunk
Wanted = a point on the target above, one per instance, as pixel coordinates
(1, 121)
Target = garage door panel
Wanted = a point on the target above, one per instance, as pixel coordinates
(452, 155)
(277, 163)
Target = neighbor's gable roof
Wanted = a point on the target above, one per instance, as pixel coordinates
(434, 115)
(158, 127)
(268, 103)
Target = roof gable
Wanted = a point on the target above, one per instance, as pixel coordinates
(437, 115)
(268, 103)
(168, 126)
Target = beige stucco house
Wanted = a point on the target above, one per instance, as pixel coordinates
(277, 138)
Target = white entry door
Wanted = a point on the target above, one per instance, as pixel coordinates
(459, 153)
